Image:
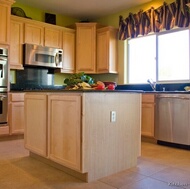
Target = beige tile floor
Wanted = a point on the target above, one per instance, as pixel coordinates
(159, 167)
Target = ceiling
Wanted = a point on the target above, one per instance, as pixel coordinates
(83, 9)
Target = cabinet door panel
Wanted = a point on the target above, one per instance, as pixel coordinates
(86, 48)
(107, 50)
(148, 120)
(36, 123)
(53, 38)
(69, 51)
(34, 34)
(4, 23)
(17, 117)
(65, 130)
(16, 42)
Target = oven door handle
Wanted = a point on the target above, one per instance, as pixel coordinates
(2, 97)
(3, 59)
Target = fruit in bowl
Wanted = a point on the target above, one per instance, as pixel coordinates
(110, 85)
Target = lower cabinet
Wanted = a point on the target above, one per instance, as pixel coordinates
(35, 134)
(53, 127)
(148, 115)
(16, 113)
(64, 126)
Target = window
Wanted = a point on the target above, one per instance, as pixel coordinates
(142, 59)
(172, 62)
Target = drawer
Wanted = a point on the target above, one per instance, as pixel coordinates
(148, 98)
(16, 97)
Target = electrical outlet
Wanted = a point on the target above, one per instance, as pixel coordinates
(113, 116)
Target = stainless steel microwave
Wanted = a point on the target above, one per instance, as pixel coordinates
(36, 55)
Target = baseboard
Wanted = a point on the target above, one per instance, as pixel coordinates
(148, 139)
(11, 137)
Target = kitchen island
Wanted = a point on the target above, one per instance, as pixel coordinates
(88, 134)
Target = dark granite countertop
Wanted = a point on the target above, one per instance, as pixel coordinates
(110, 91)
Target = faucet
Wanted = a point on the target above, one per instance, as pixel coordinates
(152, 84)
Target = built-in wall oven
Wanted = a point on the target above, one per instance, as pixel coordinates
(3, 85)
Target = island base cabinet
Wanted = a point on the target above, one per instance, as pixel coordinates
(64, 126)
(35, 134)
(81, 138)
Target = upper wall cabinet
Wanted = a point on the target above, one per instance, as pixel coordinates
(68, 51)
(16, 43)
(53, 37)
(107, 50)
(5, 9)
(96, 48)
(86, 47)
(44, 34)
(33, 34)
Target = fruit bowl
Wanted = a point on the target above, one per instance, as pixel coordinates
(106, 83)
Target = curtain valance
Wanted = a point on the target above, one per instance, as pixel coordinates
(166, 17)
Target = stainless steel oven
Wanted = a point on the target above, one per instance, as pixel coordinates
(3, 108)
(3, 85)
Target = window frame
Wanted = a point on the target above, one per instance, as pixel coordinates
(126, 48)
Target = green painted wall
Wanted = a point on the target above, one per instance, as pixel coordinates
(38, 14)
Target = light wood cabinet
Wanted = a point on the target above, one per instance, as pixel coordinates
(68, 51)
(34, 34)
(79, 136)
(16, 43)
(64, 126)
(43, 34)
(35, 106)
(86, 47)
(5, 12)
(53, 37)
(148, 115)
(107, 50)
(16, 113)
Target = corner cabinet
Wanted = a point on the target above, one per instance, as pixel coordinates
(148, 115)
(64, 126)
(35, 135)
(107, 50)
(86, 47)
(5, 12)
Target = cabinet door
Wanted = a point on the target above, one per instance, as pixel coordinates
(107, 50)
(17, 118)
(148, 120)
(16, 43)
(34, 34)
(53, 37)
(4, 22)
(69, 51)
(36, 123)
(86, 47)
(64, 123)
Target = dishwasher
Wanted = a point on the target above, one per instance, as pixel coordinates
(172, 125)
